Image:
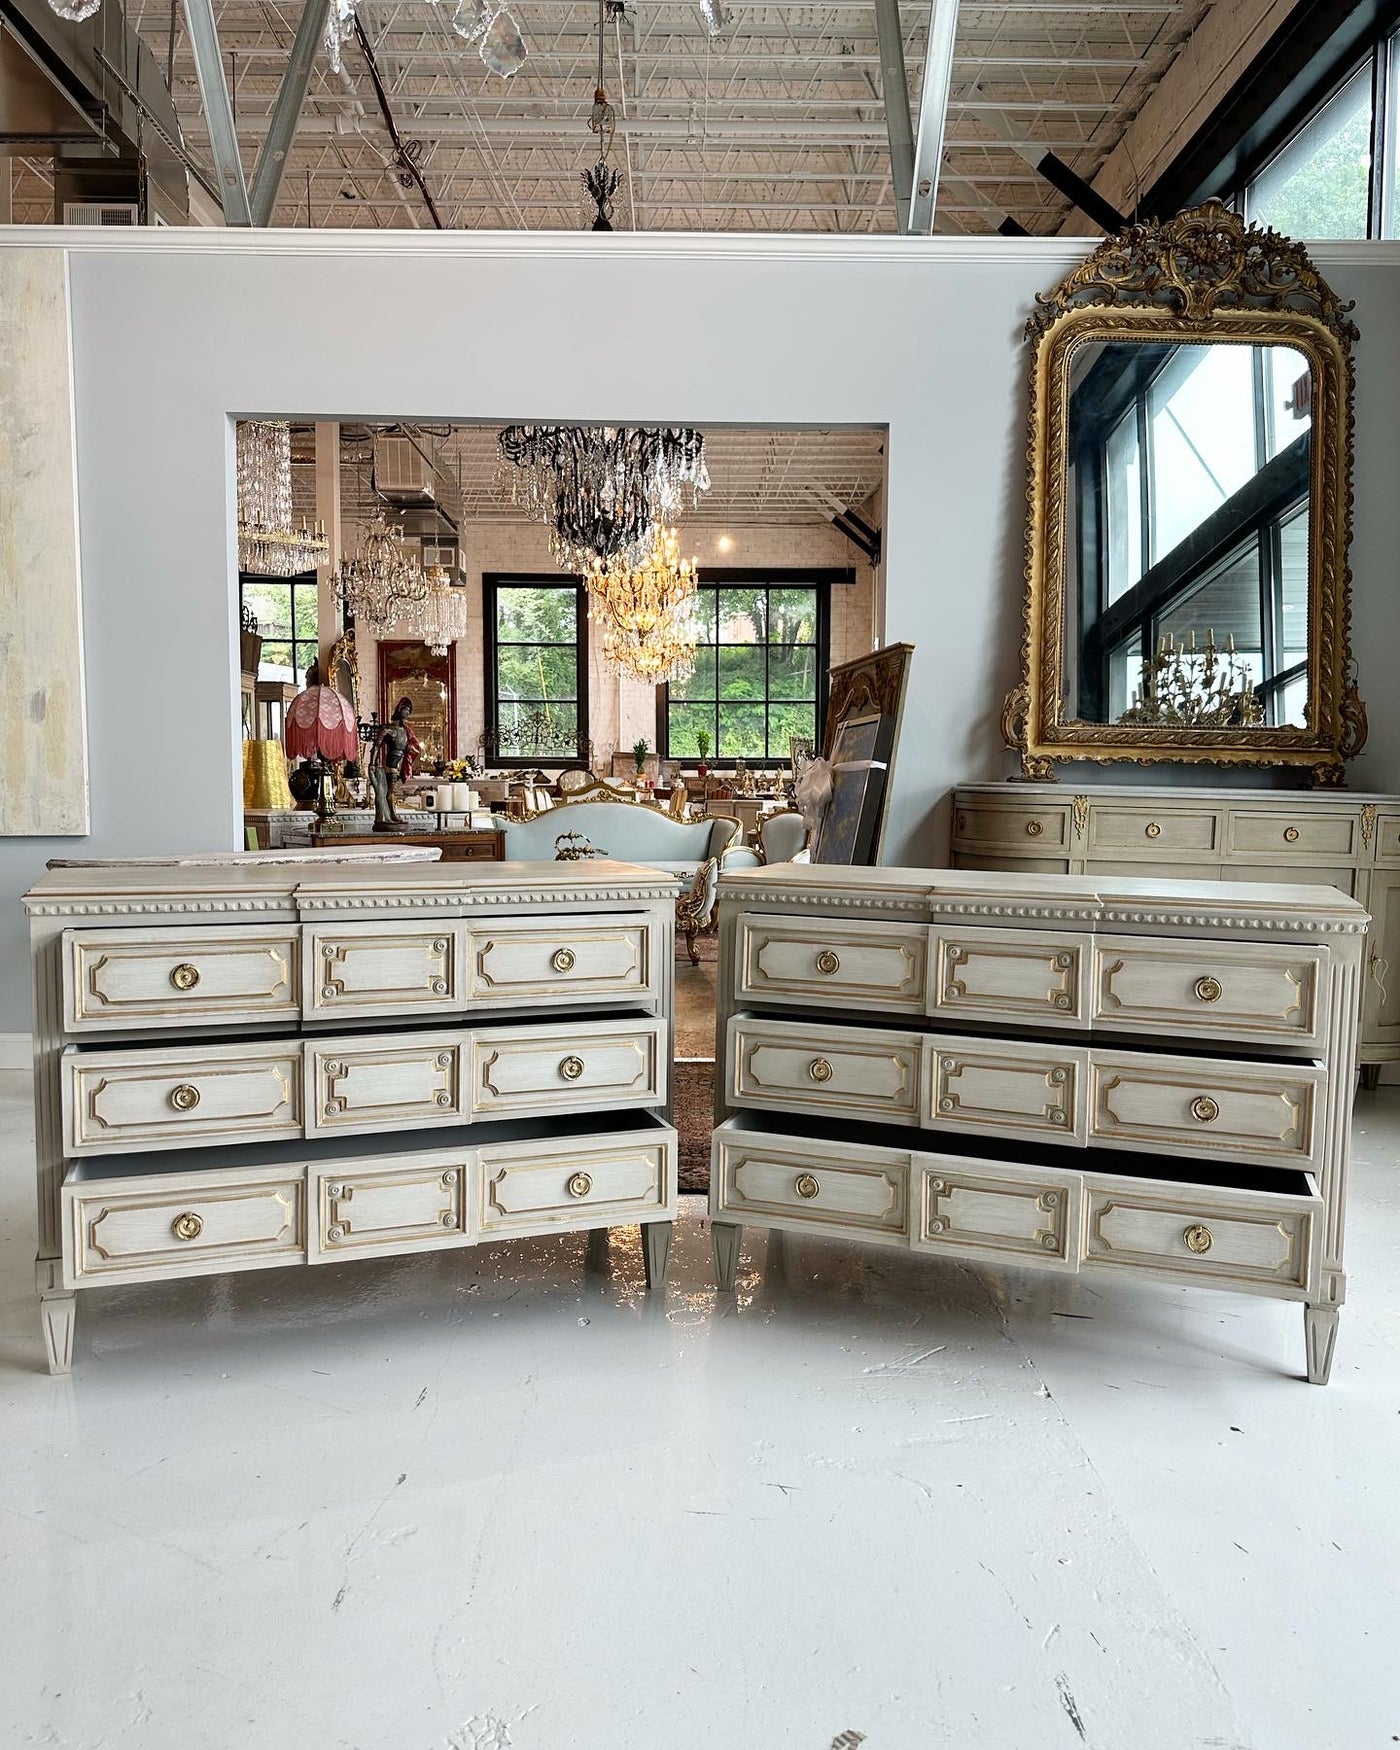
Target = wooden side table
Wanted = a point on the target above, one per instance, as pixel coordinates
(480, 845)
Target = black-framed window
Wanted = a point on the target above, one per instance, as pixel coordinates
(761, 667)
(536, 670)
(286, 612)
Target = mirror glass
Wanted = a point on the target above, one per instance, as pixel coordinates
(410, 670)
(1186, 534)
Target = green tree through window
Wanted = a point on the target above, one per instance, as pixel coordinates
(286, 616)
(537, 672)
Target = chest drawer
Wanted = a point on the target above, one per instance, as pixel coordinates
(574, 1066)
(1009, 975)
(387, 1081)
(567, 959)
(1245, 991)
(170, 1096)
(390, 969)
(1261, 1112)
(864, 1073)
(810, 1183)
(1021, 828)
(1288, 833)
(1239, 1238)
(1015, 1088)
(408, 1203)
(564, 1184)
(996, 1213)
(119, 979)
(185, 1225)
(1151, 831)
(832, 961)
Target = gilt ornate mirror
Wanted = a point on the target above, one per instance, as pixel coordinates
(1187, 586)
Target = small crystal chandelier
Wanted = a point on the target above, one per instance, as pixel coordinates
(602, 490)
(384, 581)
(441, 620)
(648, 613)
(268, 545)
(602, 182)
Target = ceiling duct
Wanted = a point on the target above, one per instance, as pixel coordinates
(402, 473)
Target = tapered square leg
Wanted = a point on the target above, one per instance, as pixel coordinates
(726, 1239)
(656, 1250)
(1320, 1328)
(58, 1313)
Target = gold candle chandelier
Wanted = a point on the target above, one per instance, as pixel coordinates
(648, 612)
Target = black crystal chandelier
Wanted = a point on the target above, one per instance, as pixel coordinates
(601, 182)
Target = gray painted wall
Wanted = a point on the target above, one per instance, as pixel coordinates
(175, 332)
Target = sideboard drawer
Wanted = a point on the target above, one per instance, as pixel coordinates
(186, 1224)
(1262, 1112)
(568, 1183)
(862, 1072)
(1151, 831)
(1000, 1087)
(383, 969)
(568, 959)
(1288, 833)
(1388, 838)
(119, 979)
(411, 1203)
(1009, 975)
(1243, 1237)
(809, 1183)
(384, 1081)
(1244, 990)
(1001, 1214)
(567, 1066)
(180, 1096)
(832, 962)
(1014, 826)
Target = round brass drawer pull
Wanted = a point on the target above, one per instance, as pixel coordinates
(562, 960)
(805, 1185)
(819, 1070)
(1034, 828)
(1291, 834)
(184, 976)
(188, 1226)
(185, 1097)
(1208, 990)
(1153, 830)
(827, 962)
(580, 1185)
(571, 1068)
(1198, 1238)
(1204, 1110)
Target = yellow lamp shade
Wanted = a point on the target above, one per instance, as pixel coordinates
(265, 776)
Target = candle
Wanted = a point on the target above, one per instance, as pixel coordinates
(460, 795)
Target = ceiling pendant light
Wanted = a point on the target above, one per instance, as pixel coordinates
(601, 182)
(383, 581)
(648, 613)
(268, 545)
(440, 620)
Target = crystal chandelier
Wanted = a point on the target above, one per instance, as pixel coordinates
(268, 545)
(648, 612)
(441, 620)
(487, 23)
(384, 581)
(602, 490)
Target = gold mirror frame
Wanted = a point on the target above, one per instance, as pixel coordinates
(1204, 275)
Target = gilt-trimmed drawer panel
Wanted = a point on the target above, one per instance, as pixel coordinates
(186, 1224)
(561, 959)
(997, 1087)
(1013, 826)
(838, 962)
(383, 969)
(1247, 991)
(1009, 975)
(1002, 1214)
(180, 1096)
(1298, 832)
(114, 980)
(1387, 831)
(1151, 831)
(384, 1082)
(808, 1183)
(567, 1183)
(1245, 1238)
(809, 1066)
(409, 1203)
(1262, 1112)
(574, 1066)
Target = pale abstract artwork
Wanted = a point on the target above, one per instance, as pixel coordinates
(43, 740)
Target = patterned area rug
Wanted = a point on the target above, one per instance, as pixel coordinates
(694, 1090)
(694, 1078)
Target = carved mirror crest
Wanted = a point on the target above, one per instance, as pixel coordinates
(1187, 587)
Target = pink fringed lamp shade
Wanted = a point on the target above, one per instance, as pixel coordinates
(320, 721)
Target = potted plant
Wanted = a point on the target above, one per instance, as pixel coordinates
(702, 741)
(640, 750)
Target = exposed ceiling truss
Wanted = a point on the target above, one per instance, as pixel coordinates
(779, 125)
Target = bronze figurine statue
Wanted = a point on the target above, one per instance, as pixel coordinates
(393, 760)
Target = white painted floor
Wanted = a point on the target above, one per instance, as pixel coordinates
(498, 1499)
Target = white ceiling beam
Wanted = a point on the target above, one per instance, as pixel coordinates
(286, 113)
(218, 111)
(894, 88)
(933, 114)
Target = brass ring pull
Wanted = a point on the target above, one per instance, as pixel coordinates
(1153, 830)
(1034, 828)
(827, 962)
(819, 1070)
(805, 1185)
(1204, 1110)
(1198, 1238)
(580, 1185)
(562, 960)
(185, 1097)
(188, 1226)
(184, 976)
(571, 1068)
(1208, 990)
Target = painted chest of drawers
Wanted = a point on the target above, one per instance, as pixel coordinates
(240, 1066)
(1047, 1071)
(1323, 838)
